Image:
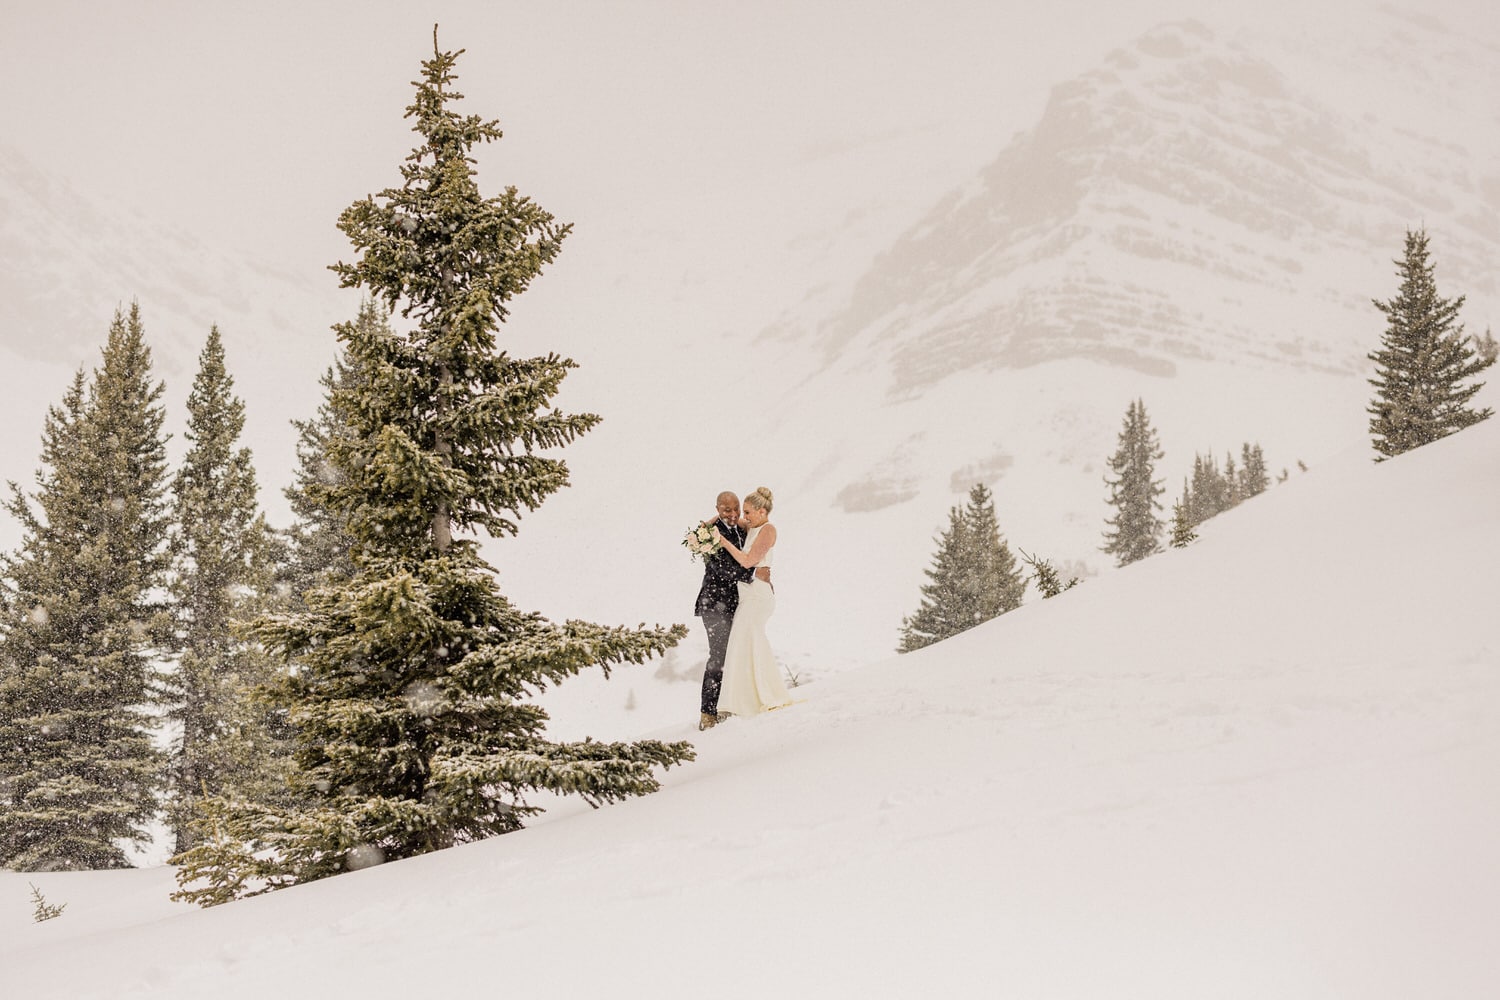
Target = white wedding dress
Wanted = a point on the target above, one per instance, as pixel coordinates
(752, 679)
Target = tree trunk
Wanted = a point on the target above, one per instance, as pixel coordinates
(442, 521)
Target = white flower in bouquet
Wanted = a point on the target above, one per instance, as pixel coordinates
(700, 541)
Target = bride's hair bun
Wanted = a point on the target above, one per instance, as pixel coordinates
(760, 499)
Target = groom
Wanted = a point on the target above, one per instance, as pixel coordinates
(717, 600)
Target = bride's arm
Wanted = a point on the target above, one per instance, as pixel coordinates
(763, 543)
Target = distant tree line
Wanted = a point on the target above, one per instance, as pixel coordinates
(1424, 382)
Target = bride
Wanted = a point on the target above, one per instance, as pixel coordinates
(752, 680)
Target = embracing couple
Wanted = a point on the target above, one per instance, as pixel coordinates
(741, 677)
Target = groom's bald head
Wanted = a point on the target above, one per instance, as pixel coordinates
(728, 506)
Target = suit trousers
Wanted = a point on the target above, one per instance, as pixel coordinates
(717, 625)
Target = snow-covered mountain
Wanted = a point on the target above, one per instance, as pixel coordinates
(1262, 766)
(1187, 200)
(68, 262)
(1198, 220)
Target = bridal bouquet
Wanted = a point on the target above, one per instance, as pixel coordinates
(700, 541)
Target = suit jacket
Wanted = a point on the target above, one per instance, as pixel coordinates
(720, 574)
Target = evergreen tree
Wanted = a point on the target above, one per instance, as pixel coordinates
(79, 774)
(1423, 362)
(410, 682)
(1232, 483)
(998, 584)
(947, 607)
(1210, 494)
(318, 546)
(1254, 478)
(221, 545)
(1182, 520)
(1135, 529)
(973, 578)
(1487, 347)
(1045, 576)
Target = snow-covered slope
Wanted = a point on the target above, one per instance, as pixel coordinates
(1262, 766)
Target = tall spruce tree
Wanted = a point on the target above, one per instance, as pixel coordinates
(82, 619)
(221, 546)
(947, 606)
(998, 582)
(973, 578)
(411, 680)
(318, 546)
(1423, 362)
(1135, 529)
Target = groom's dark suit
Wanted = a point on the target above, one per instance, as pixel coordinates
(717, 600)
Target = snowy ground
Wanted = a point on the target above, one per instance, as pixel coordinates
(1264, 766)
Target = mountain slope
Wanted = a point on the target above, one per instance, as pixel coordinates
(66, 265)
(1186, 200)
(1260, 766)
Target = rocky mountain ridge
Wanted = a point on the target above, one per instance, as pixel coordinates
(1187, 200)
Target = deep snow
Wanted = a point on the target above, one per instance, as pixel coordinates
(1261, 766)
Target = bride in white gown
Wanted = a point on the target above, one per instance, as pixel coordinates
(752, 679)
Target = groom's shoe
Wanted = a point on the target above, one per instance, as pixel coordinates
(706, 721)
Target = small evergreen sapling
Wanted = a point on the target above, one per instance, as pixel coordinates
(41, 909)
(1183, 534)
(1045, 576)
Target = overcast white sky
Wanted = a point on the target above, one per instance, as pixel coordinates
(194, 111)
(258, 122)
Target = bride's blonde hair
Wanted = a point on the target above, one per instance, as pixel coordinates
(760, 499)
